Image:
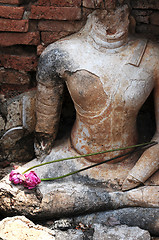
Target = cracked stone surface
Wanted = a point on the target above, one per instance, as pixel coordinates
(21, 228)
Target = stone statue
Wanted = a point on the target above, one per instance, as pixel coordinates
(109, 75)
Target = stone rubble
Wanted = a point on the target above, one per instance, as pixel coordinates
(21, 228)
(120, 233)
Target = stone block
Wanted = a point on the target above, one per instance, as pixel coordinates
(154, 18)
(50, 37)
(16, 139)
(14, 114)
(21, 111)
(19, 119)
(11, 76)
(10, 39)
(11, 12)
(19, 62)
(55, 26)
(14, 25)
(55, 13)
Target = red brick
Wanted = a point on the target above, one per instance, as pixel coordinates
(141, 16)
(29, 38)
(11, 12)
(142, 12)
(148, 29)
(48, 25)
(12, 1)
(10, 91)
(154, 18)
(66, 3)
(49, 37)
(33, 26)
(59, 3)
(10, 76)
(145, 4)
(55, 13)
(14, 25)
(142, 19)
(43, 2)
(23, 62)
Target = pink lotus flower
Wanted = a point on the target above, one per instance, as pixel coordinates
(31, 180)
(15, 177)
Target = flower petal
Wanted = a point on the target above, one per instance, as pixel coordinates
(31, 180)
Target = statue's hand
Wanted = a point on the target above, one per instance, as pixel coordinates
(147, 164)
(43, 144)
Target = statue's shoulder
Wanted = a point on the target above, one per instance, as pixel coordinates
(144, 42)
(63, 46)
(144, 50)
(59, 57)
(137, 49)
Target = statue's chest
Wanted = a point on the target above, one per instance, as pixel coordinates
(99, 79)
(127, 83)
(99, 82)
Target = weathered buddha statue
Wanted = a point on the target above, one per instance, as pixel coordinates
(109, 75)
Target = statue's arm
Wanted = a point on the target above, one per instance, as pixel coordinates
(149, 160)
(48, 102)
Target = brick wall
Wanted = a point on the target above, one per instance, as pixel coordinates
(28, 26)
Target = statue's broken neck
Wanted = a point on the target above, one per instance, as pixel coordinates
(109, 29)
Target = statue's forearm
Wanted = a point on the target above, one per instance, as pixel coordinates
(143, 169)
(50, 87)
(48, 108)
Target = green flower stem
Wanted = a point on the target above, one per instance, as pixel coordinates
(86, 168)
(92, 154)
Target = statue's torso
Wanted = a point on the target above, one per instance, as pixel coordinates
(107, 92)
